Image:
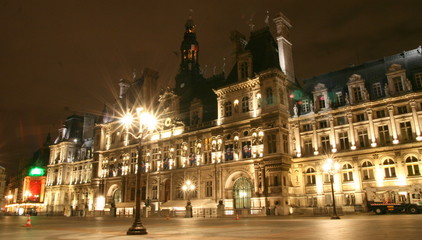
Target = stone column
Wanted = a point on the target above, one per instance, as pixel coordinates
(371, 127)
(314, 138)
(393, 123)
(297, 137)
(351, 131)
(332, 136)
(415, 120)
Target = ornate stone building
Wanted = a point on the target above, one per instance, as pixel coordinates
(367, 117)
(254, 138)
(69, 186)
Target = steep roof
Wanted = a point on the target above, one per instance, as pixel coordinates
(264, 52)
(372, 72)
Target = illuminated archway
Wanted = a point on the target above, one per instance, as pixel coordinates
(242, 190)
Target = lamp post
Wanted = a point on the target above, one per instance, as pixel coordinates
(188, 187)
(331, 167)
(147, 123)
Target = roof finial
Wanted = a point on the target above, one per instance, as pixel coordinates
(267, 19)
(251, 25)
(190, 13)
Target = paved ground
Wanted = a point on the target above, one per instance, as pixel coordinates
(366, 226)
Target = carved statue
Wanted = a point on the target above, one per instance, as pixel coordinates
(386, 90)
(408, 84)
(365, 94)
(295, 110)
(346, 98)
(311, 106)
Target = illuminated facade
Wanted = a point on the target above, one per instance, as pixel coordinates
(228, 135)
(367, 117)
(69, 183)
(254, 138)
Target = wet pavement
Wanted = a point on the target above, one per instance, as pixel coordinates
(365, 226)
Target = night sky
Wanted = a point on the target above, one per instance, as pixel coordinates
(58, 58)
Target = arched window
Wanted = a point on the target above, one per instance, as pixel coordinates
(347, 172)
(269, 96)
(412, 165)
(310, 176)
(389, 168)
(117, 196)
(227, 109)
(245, 104)
(367, 170)
(242, 189)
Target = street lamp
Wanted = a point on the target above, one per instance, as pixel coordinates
(188, 187)
(331, 167)
(147, 123)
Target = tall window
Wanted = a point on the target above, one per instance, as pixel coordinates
(406, 131)
(242, 189)
(347, 172)
(344, 141)
(325, 143)
(398, 85)
(376, 89)
(412, 165)
(305, 106)
(389, 168)
(321, 101)
(310, 176)
(367, 170)
(402, 109)
(272, 143)
(228, 109)
(269, 96)
(418, 79)
(357, 93)
(384, 135)
(308, 146)
(208, 189)
(154, 192)
(244, 70)
(363, 138)
(245, 104)
(285, 143)
(339, 98)
(350, 199)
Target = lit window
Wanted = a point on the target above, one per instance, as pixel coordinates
(367, 170)
(347, 172)
(245, 104)
(310, 176)
(389, 168)
(412, 165)
(227, 109)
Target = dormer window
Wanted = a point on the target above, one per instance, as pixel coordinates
(357, 90)
(376, 89)
(243, 70)
(321, 101)
(418, 79)
(357, 94)
(398, 85)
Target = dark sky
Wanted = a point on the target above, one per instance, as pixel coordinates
(63, 57)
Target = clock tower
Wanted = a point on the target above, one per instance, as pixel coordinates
(189, 66)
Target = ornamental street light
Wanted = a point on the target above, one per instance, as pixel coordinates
(331, 167)
(188, 187)
(139, 127)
